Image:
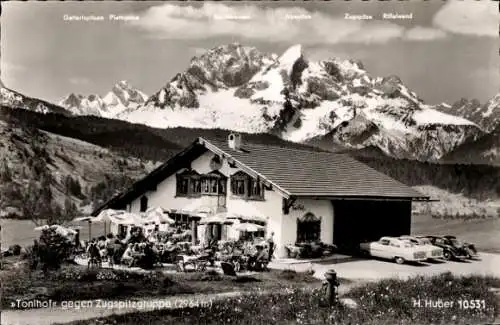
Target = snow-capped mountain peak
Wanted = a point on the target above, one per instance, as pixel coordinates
(121, 97)
(14, 99)
(290, 56)
(239, 88)
(487, 116)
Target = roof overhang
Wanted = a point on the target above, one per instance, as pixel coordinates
(363, 198)
(150, 181)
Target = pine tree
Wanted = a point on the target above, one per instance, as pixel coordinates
(6, 174)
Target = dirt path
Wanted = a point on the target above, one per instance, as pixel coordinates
(103, 308)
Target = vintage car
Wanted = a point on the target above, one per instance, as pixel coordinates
(433, 252)
(451, 249)
(394, 249)
(470, 248)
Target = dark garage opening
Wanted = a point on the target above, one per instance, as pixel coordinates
(357, 221)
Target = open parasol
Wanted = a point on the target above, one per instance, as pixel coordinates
(157, 215)
(239, 209)
(248, 227)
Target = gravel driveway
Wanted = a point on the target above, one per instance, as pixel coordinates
(371, 269)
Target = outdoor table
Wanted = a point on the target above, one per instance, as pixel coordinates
(198, 262)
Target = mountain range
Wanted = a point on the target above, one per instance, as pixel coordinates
(121, 97)
(334, 102)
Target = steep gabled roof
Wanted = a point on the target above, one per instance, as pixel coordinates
(292, 172)
(299, 172)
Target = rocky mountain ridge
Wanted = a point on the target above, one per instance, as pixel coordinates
(237, 87)
(121, 97)
(14, 99)
(334, 102)
(486, 115)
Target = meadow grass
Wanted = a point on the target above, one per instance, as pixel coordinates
(384, 302)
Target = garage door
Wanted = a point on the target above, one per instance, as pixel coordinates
(356, 221)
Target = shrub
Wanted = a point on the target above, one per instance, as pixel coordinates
(53, 249)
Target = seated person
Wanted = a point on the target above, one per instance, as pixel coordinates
(127, 257)
(101, 242)
(153, 237)
(148, 258)
(260, 256)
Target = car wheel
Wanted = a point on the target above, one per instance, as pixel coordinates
(447, 255)
(399, 260)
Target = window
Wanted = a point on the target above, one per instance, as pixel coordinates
(182, 220)
(209, 185)
(245, 186)
(144, 204)
(384, 242)
(195, 186)
(190, 183)
(222, 186)
(187, 183)
(308, 228)
(182, 186)
(256, 189)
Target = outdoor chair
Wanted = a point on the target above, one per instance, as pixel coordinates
(228, 269)
(94, 262)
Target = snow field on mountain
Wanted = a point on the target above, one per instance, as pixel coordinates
(432, 116)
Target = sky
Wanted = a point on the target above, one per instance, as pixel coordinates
(446, 51)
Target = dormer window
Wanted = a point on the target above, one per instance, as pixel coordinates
(244, 186)
(214, 183)
(190, 183)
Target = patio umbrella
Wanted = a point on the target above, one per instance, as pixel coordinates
(226, 218)
(127, 218)
(156, 216)
(80, 219)
(213, 219)
(199, 207)
(246, 211)
(248, 227)
(107, 214)
(63, 231)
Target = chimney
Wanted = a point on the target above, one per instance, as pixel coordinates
(234, 141)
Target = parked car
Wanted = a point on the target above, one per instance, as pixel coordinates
(433, 252)
(451, 249)
(470, 248)
(394, 249)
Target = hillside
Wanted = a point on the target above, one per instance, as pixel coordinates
(48, 175)
(485, 150)
(136, 140)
